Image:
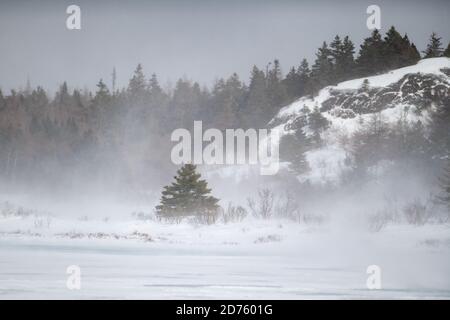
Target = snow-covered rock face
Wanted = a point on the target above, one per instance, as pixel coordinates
(414, 88)
(417, 86)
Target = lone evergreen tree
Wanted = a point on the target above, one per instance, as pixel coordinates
(187, 196)
(434, 47)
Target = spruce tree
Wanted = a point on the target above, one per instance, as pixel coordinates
(187, 196)
(317, 123)
(394, 46)
(256, 111)
(447, 51)
(292, 84)
(414, 54)
(336, 52)
(347, 59)
(137, 83)
(370, 60)
(293, 148)
(304, 74)
(399, 51)
(102, 95)
(322, 70)
(276, 90)
(227, 98)
(342, 52)
(365, 86)
(434, 47)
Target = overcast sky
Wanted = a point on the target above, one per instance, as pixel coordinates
(199, 39)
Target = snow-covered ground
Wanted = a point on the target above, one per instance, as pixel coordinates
(134, 256)
(124, 257)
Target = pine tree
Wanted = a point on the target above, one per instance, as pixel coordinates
(370, 60)
(434, 47)
(317, 123)
(304, 73)
(336, 48)
(399, 51)
(414, 55)
(293, 148)
(394, 46)
(322, 70)
(63, 96)
(187, 196)
(447, 51)
(256, 111)
(226, 102)
(186, 104)
(137, 83)
(276, 91)
(347, 59)
(342, 52)
(365, 86)
(292, 84)
(234, 96)
(102, 96)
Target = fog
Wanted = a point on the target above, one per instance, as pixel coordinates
(86, 157)
(198, 41)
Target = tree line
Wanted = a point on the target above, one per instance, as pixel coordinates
(117, 130)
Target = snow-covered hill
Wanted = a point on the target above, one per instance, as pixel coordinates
(408, 92)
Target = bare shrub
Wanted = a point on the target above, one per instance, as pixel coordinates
(42, 221)
(389, 213)
(263, 208)
(417, 212)
(233, 214)
(309, 218)
(208, 217)
(268, 238)
(7, 210)
(380, 219)
(142, 216)
(288, 208)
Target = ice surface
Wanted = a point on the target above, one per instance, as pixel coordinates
(254, 259)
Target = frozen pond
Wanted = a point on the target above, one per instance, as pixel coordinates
(36, 269)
